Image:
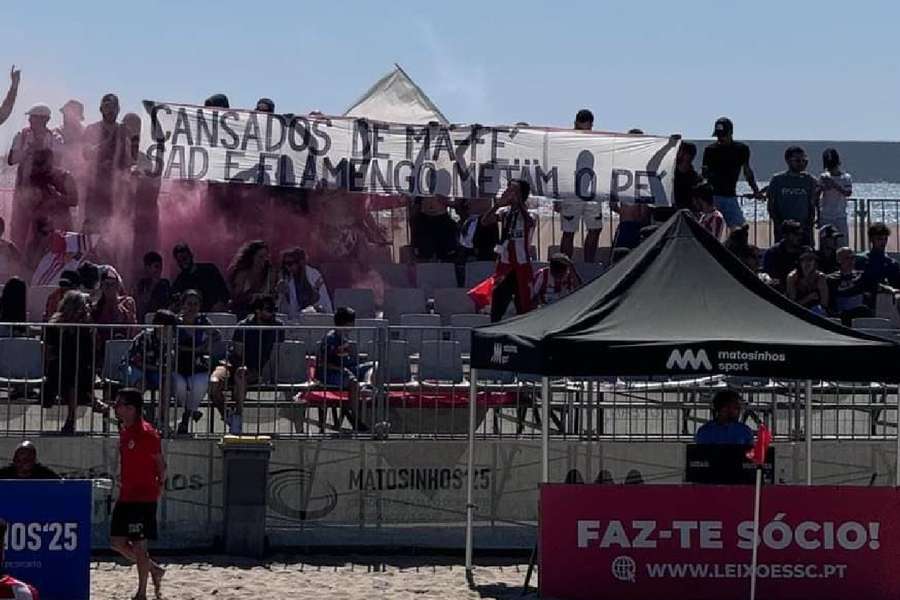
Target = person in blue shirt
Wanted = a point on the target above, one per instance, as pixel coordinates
(879, 271)
(338, 366)
(725, 428)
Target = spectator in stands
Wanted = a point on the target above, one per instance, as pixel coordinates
(686, 177)
(338, 366)
(69, 359)
(72, 134)
(249, 274)
(114, 306)
(301, 286)
(195, 344)
(514, 273)
(880, 271)
(107, 160)
(750, 258)
(434, 232)
(723, 162)
(265, 105)
(632, 218)
(781, 259)
(847, 290)
(836, 187)
(216, 101)
(52, 194)
(829, 242)
(10, 100)
(248, 357)
(477, 240)
(25, 465)
(806, 285)
(68, 280)
(153, 291)
(140, 191)
(584, 208)
(707, 214)
(142, 366)
(793, 195)
(89, 277)
(25, 144)
(203, 277)
(11, 259)
(738, 240)
(13, 307)
(725, 427)
(555, 281)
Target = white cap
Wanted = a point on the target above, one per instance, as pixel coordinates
(39, 110)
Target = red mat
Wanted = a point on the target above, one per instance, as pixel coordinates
(418, 398)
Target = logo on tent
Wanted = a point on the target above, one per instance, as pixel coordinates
(688, 359)
(501, 353)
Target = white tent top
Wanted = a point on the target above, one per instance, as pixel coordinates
(396, 98)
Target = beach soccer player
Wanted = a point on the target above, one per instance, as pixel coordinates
(141, 480)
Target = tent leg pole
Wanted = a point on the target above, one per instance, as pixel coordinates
(897, 458)
(545, 430)
(809, 461)
(470, 459)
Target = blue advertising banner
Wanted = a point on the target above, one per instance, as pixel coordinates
(48, 542)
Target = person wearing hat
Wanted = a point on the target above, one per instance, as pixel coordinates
(105, 152)
(723, 162)
(829, 242)
(142, 477)
(265, 105)
(555, 281)
(807, 285)
(10, 100)
(24, 146)
(780, 259)
(837, 187)
(25, 465)
(72, 134)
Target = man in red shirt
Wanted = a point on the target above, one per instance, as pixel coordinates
(141, 480)
(9, 587)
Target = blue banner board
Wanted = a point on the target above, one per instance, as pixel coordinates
(48, 542)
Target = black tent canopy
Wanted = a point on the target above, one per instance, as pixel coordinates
(681, 304)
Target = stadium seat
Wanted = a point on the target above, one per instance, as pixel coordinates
(113, 355)
(872, 323)
(148, 318)
(418, 328)
(394, 369)
(36, 302)
(589, 271)
(430, 276)
(394, 275)
(360, 300)
(290, 365)
(225, 322)
(452, 301)
(478, 271)
(399, 301)
(462, 329)
(440, 360)
(21, 360)
(604, 255)
(367, 331)
(406, 255)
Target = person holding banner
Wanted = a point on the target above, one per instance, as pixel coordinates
(141, 480)
(583, 208)
(513, 276)
(9, 586)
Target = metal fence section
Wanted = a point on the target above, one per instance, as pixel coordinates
(372, 381)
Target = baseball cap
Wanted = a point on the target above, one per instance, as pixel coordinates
(76, 105)
(830, 231)
(39, 110)
(723, 125)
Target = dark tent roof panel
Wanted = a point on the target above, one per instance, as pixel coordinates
(682, 304)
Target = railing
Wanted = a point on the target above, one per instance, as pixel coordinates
(413, 384)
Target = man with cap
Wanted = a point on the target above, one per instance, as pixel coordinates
(829, 242)
(24, 146)
(24, 465)
(142, 477)
(105, 151)
(265, 105)
(11, 587)
(72, 134)
(723, 162)
(10, 100)
(781, 259)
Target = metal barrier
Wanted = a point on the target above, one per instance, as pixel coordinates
(387, 382)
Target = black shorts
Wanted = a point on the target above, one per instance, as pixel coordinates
(134, 520)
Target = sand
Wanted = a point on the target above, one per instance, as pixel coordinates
(344, 578)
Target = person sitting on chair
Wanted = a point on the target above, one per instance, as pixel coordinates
(725, 428)
(338, 366)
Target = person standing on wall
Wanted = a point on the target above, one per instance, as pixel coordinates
(141, 480)
(723, 162)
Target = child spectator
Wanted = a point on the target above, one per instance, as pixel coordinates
(153, 292)
(556, 281)
(708, 215)
(338, 366)
(806, 285)
(836, 187)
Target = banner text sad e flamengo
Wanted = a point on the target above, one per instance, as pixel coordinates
(312, 152)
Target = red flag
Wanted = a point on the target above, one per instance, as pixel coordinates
(763, 438)
(481, 293)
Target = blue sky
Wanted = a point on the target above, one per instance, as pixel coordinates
(798, 70)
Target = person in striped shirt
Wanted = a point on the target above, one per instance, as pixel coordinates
(707, 213)
(11, 588)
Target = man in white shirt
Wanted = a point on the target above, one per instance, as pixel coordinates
(513, 276)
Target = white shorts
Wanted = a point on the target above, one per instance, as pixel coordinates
(575, 210)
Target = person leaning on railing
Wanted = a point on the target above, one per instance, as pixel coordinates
(25, 465)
